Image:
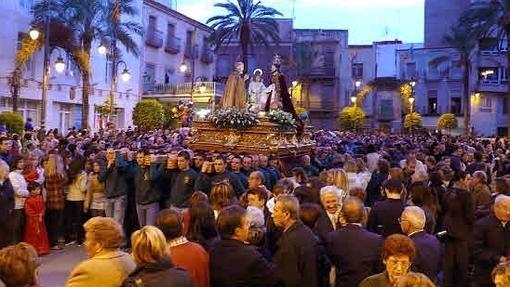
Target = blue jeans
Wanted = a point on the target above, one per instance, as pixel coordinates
(116, 208)
(147, 213)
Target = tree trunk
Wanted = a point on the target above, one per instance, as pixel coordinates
(245, 41)
(85, 99)
(467, 95)
(15, 87)
(508, 91)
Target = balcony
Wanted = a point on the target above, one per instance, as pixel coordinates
(154, 38)
(183, 88)
(173, 45)
(492, 86)
(207, 56)
(322, 106)
(324, 72)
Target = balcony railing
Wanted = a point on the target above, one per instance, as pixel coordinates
(324, 106)
(207, 56)
(173, 45)
(184, 88)
(154, 38)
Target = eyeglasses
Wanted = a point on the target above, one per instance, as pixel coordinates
(402, 263)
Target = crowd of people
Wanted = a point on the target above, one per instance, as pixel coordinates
(360, 210)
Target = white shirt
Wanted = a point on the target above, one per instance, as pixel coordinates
(20, 188)
(372, 159)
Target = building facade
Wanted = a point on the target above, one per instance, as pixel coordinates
(63, 105)
(177, 62)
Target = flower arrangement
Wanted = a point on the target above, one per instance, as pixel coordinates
(232, 118)
(284, 119)
(183, 112)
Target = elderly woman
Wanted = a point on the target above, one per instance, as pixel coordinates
(18, 265)
(154, 267)
(330, 218)
(397, 253)
(107, 265)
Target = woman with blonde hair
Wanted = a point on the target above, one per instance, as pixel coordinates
(19, 265)
(107, 266)
(154, 266)
(351, 170)
(222, 195)
(54, 182)
(338, 177)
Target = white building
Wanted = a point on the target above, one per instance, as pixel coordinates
(63, 108)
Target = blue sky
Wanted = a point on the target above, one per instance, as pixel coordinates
(366, 20)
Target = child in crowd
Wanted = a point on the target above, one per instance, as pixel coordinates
(35, 229)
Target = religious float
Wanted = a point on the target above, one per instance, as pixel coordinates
(260, 121)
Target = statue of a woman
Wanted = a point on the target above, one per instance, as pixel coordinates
(234, 94)
(257, 99)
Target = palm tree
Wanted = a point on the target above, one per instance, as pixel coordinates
(490, 19)
(462, 40)
(247, 22)
(90, 21)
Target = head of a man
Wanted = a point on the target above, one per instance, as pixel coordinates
(247, 162)
(263, 161)
(286, 211)
(233, 223)
(393, 188)
(330, 198)
(236, 164)
(353, 210)
(198, 161)
(502, 208)
(257, 197)
(5, 145)
(306, 160)
(219, 165)
(170, 222)
(412, 219)
(255, 179)
(183, 160)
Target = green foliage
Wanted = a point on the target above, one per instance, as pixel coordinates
(351, 118)
(413, 120)
(169, 120)
(13, 121)
(447, 121)
(284, 119)
(232, 118)
(148, 114)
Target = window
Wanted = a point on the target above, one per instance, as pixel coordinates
(433, 106)
(170, 29)
(456, 105)
(485, 103)
(411, 70)
(152, 23)
(503, 72)
(150, 74)
(357, 71)
(488, 44)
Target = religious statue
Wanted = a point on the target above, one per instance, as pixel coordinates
(256, 91)
(234, 94)
(278, 94)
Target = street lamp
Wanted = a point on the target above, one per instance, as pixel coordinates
(353, 100)
(34, 34)
(294, 83)
(102, 49)
(60, 65)
(125, 76)
(411, 102)
(357, 84)
(183, 68)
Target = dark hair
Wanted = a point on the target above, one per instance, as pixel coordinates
(202, 225)
(458, 176)
(398, 244)
(422, 195)
(299, 171)
(353, 210)
(14, 161)
(32, 185)
(478, 156)
(258, 191)
(393, 185)
(3, 139)
(309, 214)
(75, 168)
(304, 194)
(229, 219)
(169, 221)
(184, 154)
(383, 166)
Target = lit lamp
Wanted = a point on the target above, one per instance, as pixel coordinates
(125, 76)
(34, 34)
(353, 99)
(101, 49)
(202, 88)
(294, 83)
(412, 83)
(60, 65)
(357, 83)
(183, 68)
(411, 102)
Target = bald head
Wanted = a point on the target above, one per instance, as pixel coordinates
(412, 219)
(502, 208)
(352, 210)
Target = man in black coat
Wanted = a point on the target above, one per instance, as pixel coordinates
(298, 252)
(232, 262)
(383, 218)
(6, 207)
(223, 175)
(491, 241)
(428, 248)
(353, 250)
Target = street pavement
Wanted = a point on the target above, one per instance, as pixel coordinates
(56, 266)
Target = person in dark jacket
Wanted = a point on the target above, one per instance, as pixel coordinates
(297, 254)
(146, 176)
(234, 263)
(6, 207)
(374, 185)
(115, 179)
(383, 218)
(154, 266)
(458, 219)
(182, 182)
(363, 259)
(223, 175)
(428, 247)
(491, 241)
(235, 167)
